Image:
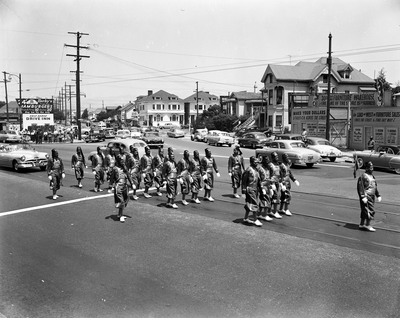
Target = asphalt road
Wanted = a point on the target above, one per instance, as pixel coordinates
(72, 258)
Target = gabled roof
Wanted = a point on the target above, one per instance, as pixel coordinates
(162, 95)
(244, 95)
(205, 96)
(127, 107)
(309, 71)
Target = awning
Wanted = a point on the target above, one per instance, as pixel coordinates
(369, 89)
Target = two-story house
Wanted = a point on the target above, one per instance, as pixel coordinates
(196, 103)
(288, 87)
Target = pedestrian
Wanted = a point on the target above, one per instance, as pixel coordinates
(304, 135)
(110, 163)
(121, 178)
(184, 176)
(146, 163)
(367, 189)
(169, 175)
(235, 169)
(208, 166)
(195, 171)
(133, 166)
(50, 136)
(78, 164)
(371, 143)
(251, 187)
(98, 165)
(287, 176)
(55, 172)
(266, 192)
(158, 163)
(276, 180)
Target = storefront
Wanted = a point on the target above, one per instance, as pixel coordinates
(382, 123)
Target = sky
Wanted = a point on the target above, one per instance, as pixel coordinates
(218, 46)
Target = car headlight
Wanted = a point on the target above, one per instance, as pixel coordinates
(298, 156)
(23, 158)
(47, 156)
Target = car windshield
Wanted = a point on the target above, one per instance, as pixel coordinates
(151, 134)
(260, 136)
(297, 145)
(123, 132)
(11, 148)
(324, 142)
(223, 134)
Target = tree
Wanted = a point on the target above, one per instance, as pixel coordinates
(58, 115)
(85, 114)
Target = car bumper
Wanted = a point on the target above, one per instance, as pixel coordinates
(32, 164)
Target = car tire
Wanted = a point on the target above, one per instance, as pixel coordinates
(43, 168)
(15, 166)
(360, 163)
(332, 159)
(309, 165)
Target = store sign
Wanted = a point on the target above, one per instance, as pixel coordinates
(376, 116)
(37, 119)
(343, 100)
(36, 105)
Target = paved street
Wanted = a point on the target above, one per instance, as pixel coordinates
(73, 258)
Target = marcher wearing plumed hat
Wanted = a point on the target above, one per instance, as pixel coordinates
(235, 169)
(55, 172)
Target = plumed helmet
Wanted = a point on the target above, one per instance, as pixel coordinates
(265, 160)
(237, 148)
(54, 153)
(369, 165)
(253, 160)
(274, 156)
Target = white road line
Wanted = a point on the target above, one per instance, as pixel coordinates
(52, 205)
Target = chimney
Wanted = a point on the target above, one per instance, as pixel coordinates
(149, 93)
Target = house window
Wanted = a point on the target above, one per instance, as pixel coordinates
(279, 95)
(159, 107)
(271, 78)
(158, 118)
(325, 78)
(174, 118)
(157, 97)
(169, 107)
(278, 120)
(270, 97)
(154, 106)
(270, 121)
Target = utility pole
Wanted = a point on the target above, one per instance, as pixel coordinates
(70, 105)
(78, 84)
(5, 85)
(197, 102)
(65, 103)
(328, 100)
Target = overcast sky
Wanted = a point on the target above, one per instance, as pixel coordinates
(224, 45)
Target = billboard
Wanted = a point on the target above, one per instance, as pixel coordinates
(35, 105)
(37, 119)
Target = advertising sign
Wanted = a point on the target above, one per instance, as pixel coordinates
(357, 135)
(379, 135)
(343, 100)
(36, 105)
(37, 119)
(391, 136)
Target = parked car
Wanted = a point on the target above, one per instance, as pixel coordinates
(219, 138)
(109, 133)
(199, 134)
(153, 139)
(168, 125)
(383, 156)
(95, 136)
(253, 140)
(125, 143)
(136, 133)
(176, 133)
(22, 155)
(323, 147)
(123, 133)
(296, 150)
(288, 137)
(10, 136)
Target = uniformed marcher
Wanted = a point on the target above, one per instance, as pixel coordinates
(169, 175)
(78, 164)
(195, 171)
(287, 176)
(184, 176)
(158, 163)
(55, 172)
(98, 166)
(276, 179)
(146, 164)
(208, 165)
(235, 169)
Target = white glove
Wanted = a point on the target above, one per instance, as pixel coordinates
(133, 187)
(50, 177)
(190, 179)
(365, 200)
(205, 177)
(273, 186)
(180, 180)
(297, 183)
(143, 175)
(264, 191)
(379, 199)
(218, 175)
(230, 174)
(94, 172)
(271, 192)
(63, 175)
(283, 188)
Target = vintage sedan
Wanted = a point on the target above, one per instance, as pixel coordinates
(253, 140)
(10, 136)
(288, 137)
(324, 148)
(153, 139)
(296, 150)
(123, 133)
(199, 134)
(384, 156)
(176, 133)
(136, 133)
(22, 155)
(115, 144)
(219, 138)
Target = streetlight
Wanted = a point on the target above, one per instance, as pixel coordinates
(20, 92)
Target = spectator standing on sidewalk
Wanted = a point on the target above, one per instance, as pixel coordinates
(371, 143)
(367, 189)
(235, 169)
(251, 187)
